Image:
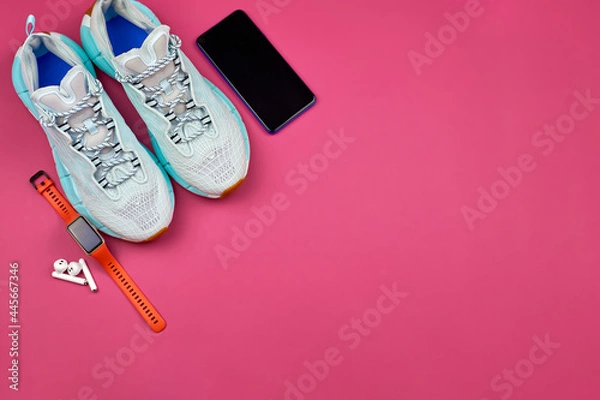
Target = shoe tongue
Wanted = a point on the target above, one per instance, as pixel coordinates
(138, 60)
(59, 99)
(73, 87)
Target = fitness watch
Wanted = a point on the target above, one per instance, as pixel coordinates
(93, 244)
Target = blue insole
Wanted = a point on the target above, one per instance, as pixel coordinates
(124, 35)
(51, 70)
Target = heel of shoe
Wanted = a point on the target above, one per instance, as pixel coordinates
(19, 82)
(91, 47)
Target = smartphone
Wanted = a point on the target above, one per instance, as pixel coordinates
(257, 72)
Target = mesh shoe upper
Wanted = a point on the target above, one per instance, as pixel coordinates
(104, 170)
(194, 129)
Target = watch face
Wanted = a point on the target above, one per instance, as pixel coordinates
(85, 235)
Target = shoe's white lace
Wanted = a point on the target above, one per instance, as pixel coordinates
(154, 95)
(105, 155)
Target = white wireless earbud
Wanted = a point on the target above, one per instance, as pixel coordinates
(69, 278)
(60, 266)
(74, 268)
(88, 275)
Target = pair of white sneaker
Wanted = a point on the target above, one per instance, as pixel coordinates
(197, 134)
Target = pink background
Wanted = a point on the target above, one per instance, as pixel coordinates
(388, 210)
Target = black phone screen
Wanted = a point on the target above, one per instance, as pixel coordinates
(257, 72)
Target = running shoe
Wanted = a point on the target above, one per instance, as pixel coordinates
(197, 134)
(107, 175)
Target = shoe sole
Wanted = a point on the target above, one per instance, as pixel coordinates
(232, 188)
(157, 235)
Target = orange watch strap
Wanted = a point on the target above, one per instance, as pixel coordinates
(50, 192)
(129, 288)
(141, 303)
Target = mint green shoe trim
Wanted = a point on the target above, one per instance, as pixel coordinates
(235, 113)
(21, 88)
